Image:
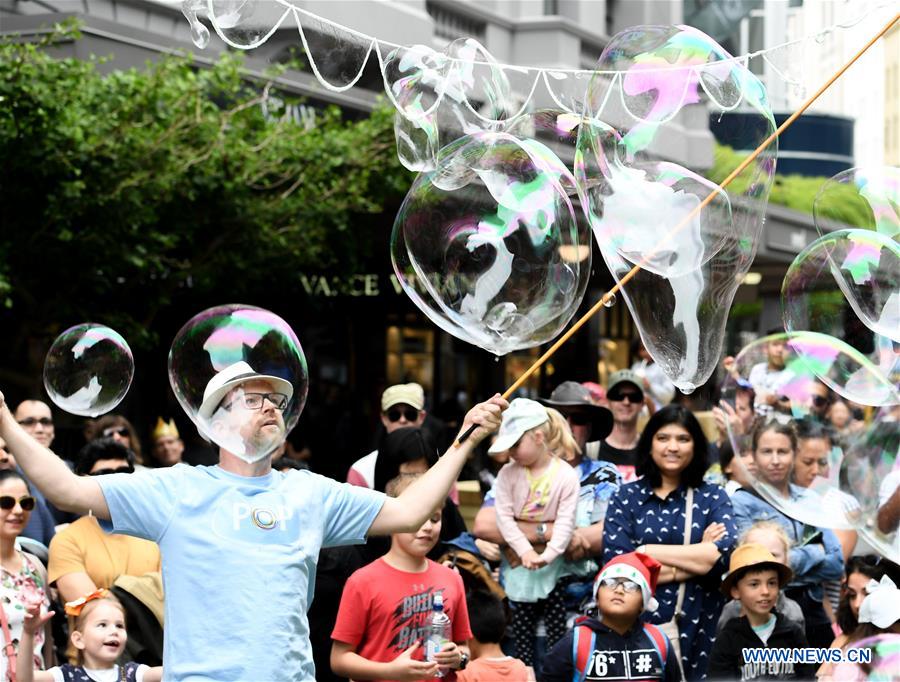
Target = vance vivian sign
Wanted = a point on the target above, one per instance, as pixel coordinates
(370, 285)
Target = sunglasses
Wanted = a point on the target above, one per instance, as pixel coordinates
(395, 414)
(117, 470)
(631, 396)
(578, 418)
(819, 401)
(625, 583)
(32, 421)
(116, 431)
(7, 502)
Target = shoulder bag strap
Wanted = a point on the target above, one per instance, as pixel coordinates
(688, 522)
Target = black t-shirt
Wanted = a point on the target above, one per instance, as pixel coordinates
(624, 460)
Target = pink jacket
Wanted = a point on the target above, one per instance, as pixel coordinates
(511, 492)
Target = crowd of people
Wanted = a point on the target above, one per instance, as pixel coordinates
(620, 537)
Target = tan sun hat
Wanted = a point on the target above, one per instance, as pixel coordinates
(752, 555)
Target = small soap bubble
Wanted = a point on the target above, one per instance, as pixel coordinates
(88, 370)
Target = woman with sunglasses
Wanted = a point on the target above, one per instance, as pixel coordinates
(23, 579)
(118, 428)
(650, 516)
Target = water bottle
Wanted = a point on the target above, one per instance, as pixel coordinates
(437, 631)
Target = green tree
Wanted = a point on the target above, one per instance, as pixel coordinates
(121, 191)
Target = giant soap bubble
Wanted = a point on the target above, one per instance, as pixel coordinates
(240, 374)
(658, 93)
(88, 370)
(823, 474)
(846, 285)
(488, 245)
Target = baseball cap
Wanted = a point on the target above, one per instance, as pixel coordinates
(523, 415)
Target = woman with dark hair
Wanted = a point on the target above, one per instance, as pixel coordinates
(682, 522)
(815, 555)
(118, 428)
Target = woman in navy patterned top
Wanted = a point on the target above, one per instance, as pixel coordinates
(648, 515)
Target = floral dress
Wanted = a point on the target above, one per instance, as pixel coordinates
(16, 590)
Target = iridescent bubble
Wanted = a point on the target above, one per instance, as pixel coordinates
(499, 259)
(221, 364)
(823, 474)
(658, 93)
(88, 370)
(847, 285)
(867, 198)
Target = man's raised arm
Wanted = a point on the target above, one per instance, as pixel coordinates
(79, 494)
(415, 504)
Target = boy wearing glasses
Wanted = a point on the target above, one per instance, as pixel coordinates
(616, 644)
(402, 406)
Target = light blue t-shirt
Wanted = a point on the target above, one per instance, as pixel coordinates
(239, 561)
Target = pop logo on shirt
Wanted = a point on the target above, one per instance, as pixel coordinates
(266, 518)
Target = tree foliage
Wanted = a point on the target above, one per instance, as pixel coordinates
(124, 190)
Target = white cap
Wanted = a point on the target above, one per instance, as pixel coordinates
(234, 375)
(521, 416)
(882, 605)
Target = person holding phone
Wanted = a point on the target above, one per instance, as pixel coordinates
(816, 555)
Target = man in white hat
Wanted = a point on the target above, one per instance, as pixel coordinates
(239, 540)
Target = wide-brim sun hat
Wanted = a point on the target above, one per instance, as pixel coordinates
(521, 416)
(234, 375)
(751, 556)
(570, 396)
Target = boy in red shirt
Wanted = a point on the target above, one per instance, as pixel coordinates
(381, 622)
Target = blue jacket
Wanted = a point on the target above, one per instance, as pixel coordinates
(812, 563)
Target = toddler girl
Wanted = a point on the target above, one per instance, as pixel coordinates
(536, 487)
(99, 635)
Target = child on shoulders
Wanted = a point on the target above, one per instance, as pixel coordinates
(536, 486)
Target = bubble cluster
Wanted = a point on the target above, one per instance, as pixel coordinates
(488, 244)
(833, 456)
(240, 374)
(442, 96)
(688, 237)
(88, 370)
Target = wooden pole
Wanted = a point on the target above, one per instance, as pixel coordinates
(684, 221)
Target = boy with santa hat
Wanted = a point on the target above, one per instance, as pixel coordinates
(616, 644)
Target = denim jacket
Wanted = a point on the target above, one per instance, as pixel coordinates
(812, 563)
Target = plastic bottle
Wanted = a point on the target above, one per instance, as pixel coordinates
(438, 631)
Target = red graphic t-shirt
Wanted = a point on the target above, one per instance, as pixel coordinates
(384, 610)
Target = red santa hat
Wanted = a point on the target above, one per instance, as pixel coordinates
(637, 567)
